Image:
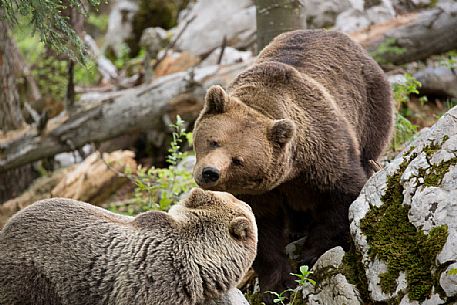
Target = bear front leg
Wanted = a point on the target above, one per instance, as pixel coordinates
(271, 263)
(329, 227)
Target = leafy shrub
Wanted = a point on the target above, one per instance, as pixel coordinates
(98, 21)
(386, 48)
(160, 188)
(404, 129)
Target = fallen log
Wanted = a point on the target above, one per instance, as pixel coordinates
(139, 109)
(412, 37)
(96, 178)
(439, 80)
(93, 180)
(40, 189)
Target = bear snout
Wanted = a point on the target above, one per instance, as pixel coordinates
(210, 175)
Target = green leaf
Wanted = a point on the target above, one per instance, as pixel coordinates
(304, 269)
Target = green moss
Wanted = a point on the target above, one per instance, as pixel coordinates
(436, 172)
(354, 272)
(431, 149)
(394, 240)
(254, 298)
(410, 149)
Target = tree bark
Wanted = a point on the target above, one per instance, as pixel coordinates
(418, 36)
(10, 108)
(142, 109)
(12, 182)
(274, 17)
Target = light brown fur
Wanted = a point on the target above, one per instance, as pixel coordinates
(60, 251)
(293, 136)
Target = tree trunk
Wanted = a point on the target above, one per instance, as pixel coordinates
(10, 108)
(274, 17)
(12, 182)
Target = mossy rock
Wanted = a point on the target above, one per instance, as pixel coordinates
(397, 227)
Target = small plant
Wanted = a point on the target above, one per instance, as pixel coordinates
(386, 48)
(159, 188)
(280, 297)
(449, 60)
(404, 129)
(402, 90)
(303, 279)
(303, 276)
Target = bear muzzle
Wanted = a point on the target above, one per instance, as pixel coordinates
(210, 175)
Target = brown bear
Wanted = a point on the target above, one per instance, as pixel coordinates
(60, 251)
(293, 136)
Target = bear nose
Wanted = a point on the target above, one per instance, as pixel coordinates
(210, 174)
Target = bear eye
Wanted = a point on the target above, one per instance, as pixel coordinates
(237, 161)
(213, 144)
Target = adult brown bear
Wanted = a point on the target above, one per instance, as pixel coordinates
(65, 252)
(293, 137)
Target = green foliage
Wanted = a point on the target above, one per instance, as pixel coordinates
(303, 276)
(453, 271)
(87, 74)
(28, 44)
(51, 76)
(49, 72)
(404, 129)
(450, 103)
(47, 18)
(159, 188)
(303, 279)
(99, 21)
(449, 60)
(386, 48)
(394, 240)
(122, 57)
(404, 89)
(280, 298)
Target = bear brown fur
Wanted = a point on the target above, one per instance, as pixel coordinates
(60, 251)
(293, 136)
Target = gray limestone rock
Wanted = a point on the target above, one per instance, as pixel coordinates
(334, 288)
(427, 173)
(428, 177)
(233, 297)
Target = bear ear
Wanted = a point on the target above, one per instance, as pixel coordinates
(196, 198)
(282, 131)
(239, 228)
(216, 100)
(199, 197)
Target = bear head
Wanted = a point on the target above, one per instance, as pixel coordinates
(238, 149)
(220, 209)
